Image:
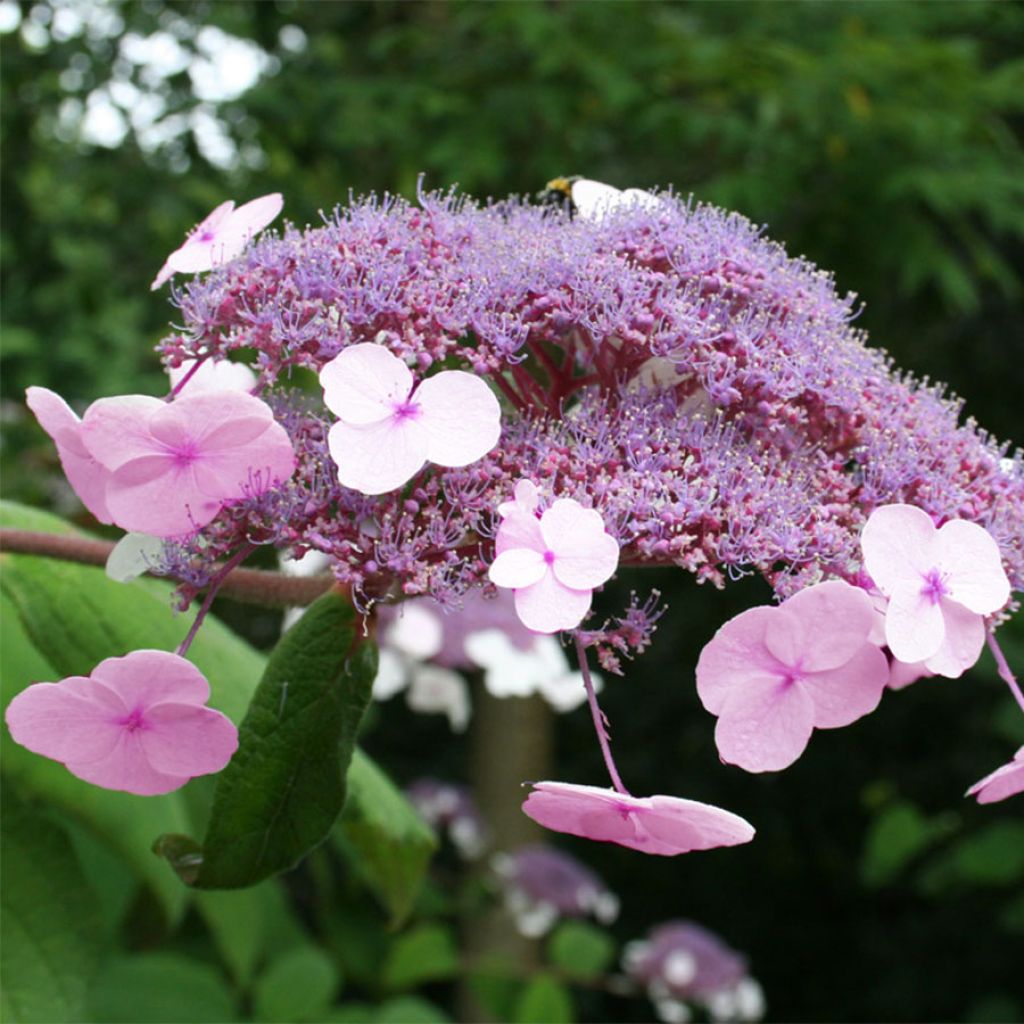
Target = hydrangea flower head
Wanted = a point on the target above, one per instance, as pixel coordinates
(172, 466)
(220, 236)
(450, 808)
(543, 884)
(554, 562)
(1005, 781)
(662, 825)
(680, 963)
(138, 724)
(940, 583)
(774, 674)
(388, 428)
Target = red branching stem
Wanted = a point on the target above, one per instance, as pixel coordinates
(215, 584)
(188, 376)
(600, 721)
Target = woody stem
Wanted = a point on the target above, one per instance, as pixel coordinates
(598, 716)
(1003, 667)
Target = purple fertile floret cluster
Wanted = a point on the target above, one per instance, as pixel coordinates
(671, 368)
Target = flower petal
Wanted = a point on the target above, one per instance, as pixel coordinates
(378, 457)
(914, 626)
(962, 643)
(587, 811)
(735, 657)
(146, 677)
(116, 430)
(766, 728)
(517, 567)
(519, 530)
(243, 224)
(154, 495)
(686, 825)
(127, 769)
(821, 627)
(88, 478)
(363, 383)
(585, 555)
(461, 416)
(899, 546)
(75, 719)
(1005, 781)
(212, 375)
(844, 694)
(547, 606)
(970, 557)
(186, 739)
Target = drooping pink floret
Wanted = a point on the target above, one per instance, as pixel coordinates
(1005, 781)
(774, 674)
(137, 724)
(173, 466)
(554, 562)
(664, 825)
(220, 237)
(940, 584)
(388, 428)
(87, 476)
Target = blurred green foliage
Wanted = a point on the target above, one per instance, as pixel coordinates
(881, 140)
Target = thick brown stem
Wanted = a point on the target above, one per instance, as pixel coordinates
(248, 586)
(512, 742)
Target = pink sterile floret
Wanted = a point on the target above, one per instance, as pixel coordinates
(552, 563)
(87, 477)
(1005, 781)
(137, 723)
(220, 237)
(388, 428)
(211, 375)
(774, 674)
(172, 466)
(940, 585)
(664, 825)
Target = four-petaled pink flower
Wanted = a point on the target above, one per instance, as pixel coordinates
(664, 825)
(388, 427)
(554, 562)
(220, 237)
(940, 585)
(172, 466)
(1005, 781)
(774, 674)
(137, 724)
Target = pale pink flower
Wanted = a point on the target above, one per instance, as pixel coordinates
(664, 825)
(388, 427)
(940, 585)
(137, 724)
(212, 375)
(87, 477)
(173, 466)
(220, 237)
(1005, 781)
(774, 674)
(554, 562)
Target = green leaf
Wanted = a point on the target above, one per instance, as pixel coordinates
(297, 986)
(898, 835)
(992, 856)
(427, 953)
(409, 1010)
(50, 921)
(284, 788)
(581, 950)
(544, 1001)
(161, 988)
(392, 843)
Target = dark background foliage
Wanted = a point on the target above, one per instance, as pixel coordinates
(883, 141)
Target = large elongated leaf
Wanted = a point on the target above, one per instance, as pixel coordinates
(284, 788)
(50, 922)
(389, 841)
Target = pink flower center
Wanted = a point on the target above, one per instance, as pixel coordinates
(406, 410)
(185, 454)
(134, 720)
(549, 558)
(934, 586)
(207, 236)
